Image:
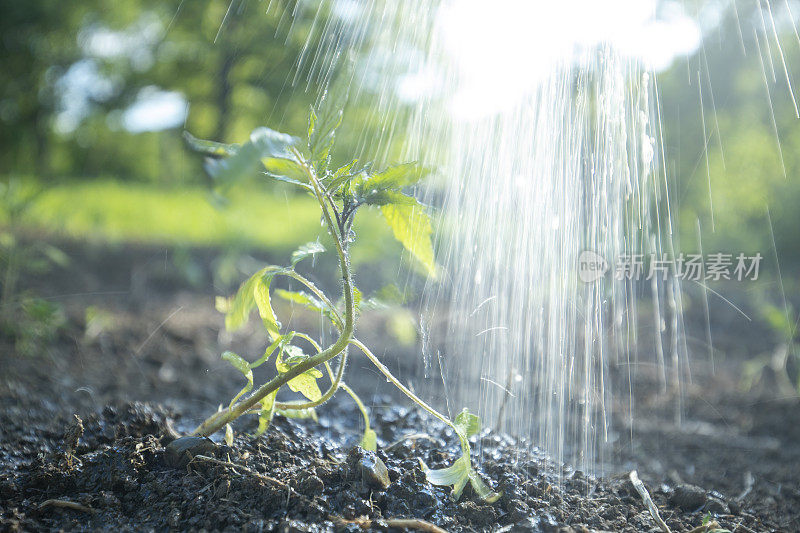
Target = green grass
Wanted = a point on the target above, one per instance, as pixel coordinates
(113, 211)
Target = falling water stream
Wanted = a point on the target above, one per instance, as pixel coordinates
(545, 140)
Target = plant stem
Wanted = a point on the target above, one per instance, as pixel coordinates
(386, 372)
(218, 420)
(359, 404)
(336, 381)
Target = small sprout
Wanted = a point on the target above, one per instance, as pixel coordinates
(460, 472)
(242, 366)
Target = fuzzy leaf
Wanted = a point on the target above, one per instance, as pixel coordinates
(222, 304)
(467, 423)
(370, 440)
(263, 302)
(242, 366)
(412, 226)
(306, 250)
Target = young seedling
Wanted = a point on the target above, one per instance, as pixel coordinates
(340, 193)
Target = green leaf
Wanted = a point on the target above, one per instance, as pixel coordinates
(237, 309)
(384, 298)
(326, 119)
(482, 489)
(309, 302)
(264, 304)
(323, 135)
(270, 142)
(467, 424)
(357, 299)
(308, 249)
(242, 366)
(457, 475)
(228, 435)
(209, 148)
(306, 384)
(395, 178)
(270, 350)
(222, 304)
(334, 181)
(312, 121)
(370, 440)
(264, 143)
(288, 170)
(301, 298)
(412, 226)
(381, 197)
(266, 412)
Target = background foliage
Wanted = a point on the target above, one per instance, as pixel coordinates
(74, 75)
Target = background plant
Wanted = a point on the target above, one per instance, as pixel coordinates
(31, 322)
(340, 193)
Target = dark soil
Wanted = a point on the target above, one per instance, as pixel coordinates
(153, 370)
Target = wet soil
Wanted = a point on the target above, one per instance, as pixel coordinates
(151, 370)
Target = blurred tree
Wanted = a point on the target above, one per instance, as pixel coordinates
(74, 71)
(37, 45)
(732, 137)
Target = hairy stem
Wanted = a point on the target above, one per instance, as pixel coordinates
(218, 420)
(386, 372)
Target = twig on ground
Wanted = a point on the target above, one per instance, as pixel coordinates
(66, 504)
(245, 470)
(407, 523)
(648, 501)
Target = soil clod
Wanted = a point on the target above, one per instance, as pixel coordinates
(689, 497)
